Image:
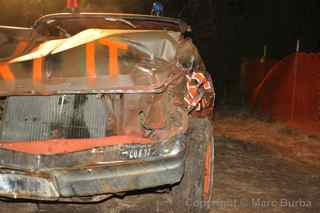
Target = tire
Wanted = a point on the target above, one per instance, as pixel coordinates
(194, 193)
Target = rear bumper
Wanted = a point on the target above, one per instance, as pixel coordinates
(122, 178)
(107, 179)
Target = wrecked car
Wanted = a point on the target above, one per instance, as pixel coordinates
(96, 105)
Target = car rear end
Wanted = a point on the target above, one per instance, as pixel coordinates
(93, 120)
(71, 146)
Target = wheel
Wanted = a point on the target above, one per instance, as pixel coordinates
(194, 192)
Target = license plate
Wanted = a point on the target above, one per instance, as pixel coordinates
(135, 152)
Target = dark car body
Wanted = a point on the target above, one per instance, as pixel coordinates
(96, 105)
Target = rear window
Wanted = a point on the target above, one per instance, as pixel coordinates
(72, 26)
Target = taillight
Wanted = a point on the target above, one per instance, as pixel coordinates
(72, 4)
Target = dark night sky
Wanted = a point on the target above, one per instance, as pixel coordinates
(227, 31)
(224, 30)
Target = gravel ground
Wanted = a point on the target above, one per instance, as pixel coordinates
(250, 178)
(292, 144)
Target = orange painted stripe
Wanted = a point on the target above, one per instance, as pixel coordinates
(6, 73)
(207, 173)
(90, 60)
(113, 62)
(113, 55)
(37, 69)
(60, 146)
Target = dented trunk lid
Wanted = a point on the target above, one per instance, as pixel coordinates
(93, 61)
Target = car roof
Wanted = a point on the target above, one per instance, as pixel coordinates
(181, 25)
